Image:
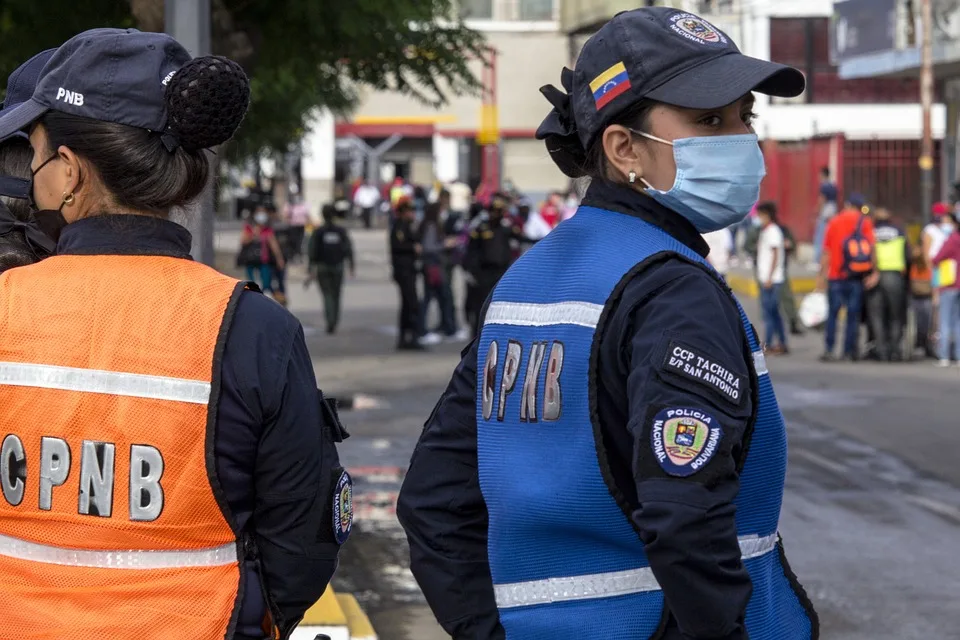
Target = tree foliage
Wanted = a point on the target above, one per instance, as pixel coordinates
(300, 54)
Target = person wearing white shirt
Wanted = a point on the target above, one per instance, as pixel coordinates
(366, 199)
(721, 245)
(771, 274)
(460, 195)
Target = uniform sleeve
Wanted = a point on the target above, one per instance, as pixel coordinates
(315, 247)
(443, 513)
(295, 467)
(689, 404)
(472, 258)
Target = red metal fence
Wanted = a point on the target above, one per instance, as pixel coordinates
(884, 171)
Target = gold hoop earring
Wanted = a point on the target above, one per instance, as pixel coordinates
(632, 177)
(68, 199)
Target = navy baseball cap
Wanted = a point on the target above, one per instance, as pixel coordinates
(112, 75)
(666, 55)
(22, 82)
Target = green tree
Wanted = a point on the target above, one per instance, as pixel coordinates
(300, 54)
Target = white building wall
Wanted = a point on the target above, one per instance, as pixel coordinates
(798, 121)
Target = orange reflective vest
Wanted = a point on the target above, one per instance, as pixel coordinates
(110, 525)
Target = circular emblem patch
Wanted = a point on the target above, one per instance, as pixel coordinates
(684, 440)
(343, 508)
(699, 29)
(696, 29)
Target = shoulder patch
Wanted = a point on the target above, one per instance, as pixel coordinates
(684, 440)
(342, 507)
(696, 366)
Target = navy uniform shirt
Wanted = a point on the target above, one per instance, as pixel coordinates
(686, 524)
(404, 238)
(273, 453)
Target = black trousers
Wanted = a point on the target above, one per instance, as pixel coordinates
(367, 216)
(409, 317)
(886, 312)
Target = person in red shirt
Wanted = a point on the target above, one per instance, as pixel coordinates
(550, 212)
(844, 290)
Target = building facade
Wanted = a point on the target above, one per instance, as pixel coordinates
(853, 125)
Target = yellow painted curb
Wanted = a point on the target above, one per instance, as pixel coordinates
(326, 611)
(357, 620)
(747, 287)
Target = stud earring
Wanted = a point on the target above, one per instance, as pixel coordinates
(632, 177)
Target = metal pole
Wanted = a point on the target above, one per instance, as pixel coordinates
(926, 100)
(188, 21)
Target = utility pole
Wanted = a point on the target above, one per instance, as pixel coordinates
(926, 101)
(188, 21)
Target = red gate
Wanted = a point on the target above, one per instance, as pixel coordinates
(885, 172)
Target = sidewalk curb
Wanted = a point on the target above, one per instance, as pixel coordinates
(357, 620)
(747, 287)
(337, 615)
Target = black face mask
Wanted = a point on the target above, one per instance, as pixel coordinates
(50, 221)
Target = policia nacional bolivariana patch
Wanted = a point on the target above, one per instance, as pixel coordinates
(342, 507)
(684, 440)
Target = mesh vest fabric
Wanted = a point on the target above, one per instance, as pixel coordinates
(565, 560)
(122, 352)
(891, 254)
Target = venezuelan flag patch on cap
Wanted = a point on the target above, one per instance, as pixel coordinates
(608, 85)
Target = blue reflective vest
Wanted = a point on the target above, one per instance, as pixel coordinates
(565, 560)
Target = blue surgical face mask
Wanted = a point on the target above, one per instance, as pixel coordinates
(718, 179)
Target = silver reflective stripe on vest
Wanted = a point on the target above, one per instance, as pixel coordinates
(23, 550)
(760, 363)
(108, 382)
(603, 585)
(584, 314)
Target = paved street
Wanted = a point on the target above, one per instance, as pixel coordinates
(872, 505)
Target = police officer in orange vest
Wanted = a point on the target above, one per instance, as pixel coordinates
(168, 467)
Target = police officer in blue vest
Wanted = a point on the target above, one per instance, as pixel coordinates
(608, 459)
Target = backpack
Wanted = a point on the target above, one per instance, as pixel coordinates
(857, 253)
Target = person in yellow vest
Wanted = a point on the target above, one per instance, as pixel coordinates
(398, 191)
(168, 467)
(887, 301)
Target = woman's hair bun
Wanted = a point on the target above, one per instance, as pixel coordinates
(206, 101)
(568, 154)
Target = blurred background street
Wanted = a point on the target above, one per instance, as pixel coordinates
(873, 468)
(379, 115)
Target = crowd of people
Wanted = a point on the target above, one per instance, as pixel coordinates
(433, 237)
(867, 270)
(434, 233)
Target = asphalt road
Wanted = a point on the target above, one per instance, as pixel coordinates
(870, 516)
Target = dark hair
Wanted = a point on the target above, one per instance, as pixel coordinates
(568, 152)
(825, 171)
(206, 101)
(15, 158)
(404, 206)
(443, 194)
(329, 212)
(769, 208)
